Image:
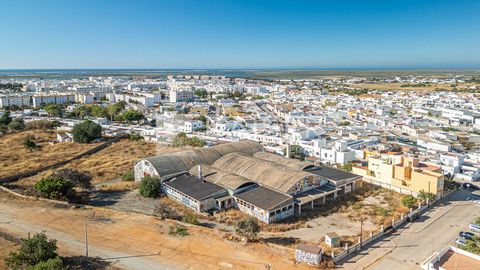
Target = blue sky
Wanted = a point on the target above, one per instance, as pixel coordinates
(239, 34)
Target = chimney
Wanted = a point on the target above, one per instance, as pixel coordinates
(287, 151)
(200, 176)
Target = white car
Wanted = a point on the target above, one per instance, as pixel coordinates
(474, 227)
(461, 242)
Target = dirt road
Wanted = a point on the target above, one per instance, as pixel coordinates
(135, 241)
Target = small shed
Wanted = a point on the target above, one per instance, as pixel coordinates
(332, 239)
(308, 254)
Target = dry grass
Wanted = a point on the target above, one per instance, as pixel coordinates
(116, 159)
(397, 86)
(5, 248)
(14, 158)
(109, 163)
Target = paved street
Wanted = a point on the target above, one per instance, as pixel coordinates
(411, 245)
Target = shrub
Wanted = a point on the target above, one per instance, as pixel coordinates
(32, 252)
(150, 187)
(178, 230)
(409, 201)
(189, 218)
(51, 264)
(248, 227)
(42, 124)
(135, 137)
(30, 144)
(54, 187)
(78, 178)
(423, 196)
(86, 132)
(129, 175)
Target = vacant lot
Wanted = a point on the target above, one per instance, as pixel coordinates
(14, 158)
(137, 241)
(109, 163)
(369, 205)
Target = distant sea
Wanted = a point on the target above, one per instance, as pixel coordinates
(19, 74)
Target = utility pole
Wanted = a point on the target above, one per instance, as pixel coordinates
(86, 240)
(361, 231)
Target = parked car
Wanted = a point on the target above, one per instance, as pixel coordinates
(461, 242)
(469, 186)
(474, 227)
(467, 235)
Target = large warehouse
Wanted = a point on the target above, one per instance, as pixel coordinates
(242, 175)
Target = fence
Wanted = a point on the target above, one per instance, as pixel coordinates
(97, 148)
(374, 237)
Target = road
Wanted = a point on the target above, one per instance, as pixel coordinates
(410, 246)
(135, 241)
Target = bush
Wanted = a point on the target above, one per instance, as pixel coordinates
(78, 178)
(409, 201)
(150, 187)
(183, 140)
(30, 144)
(129, 175)
(248, 227)
(86, 132)
(189, 218)
(135, 137)
(423, 196)
(17, 124)
(42, 124)
(178, 230)
(296, 151)
(52, 264)
(54, 187)
(33, 251)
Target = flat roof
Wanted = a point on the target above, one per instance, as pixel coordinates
(332, 174)
(265, 198)
(194, 187)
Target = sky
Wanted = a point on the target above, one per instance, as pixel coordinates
(241, 34)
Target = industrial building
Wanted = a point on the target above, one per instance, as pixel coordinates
(242, 175)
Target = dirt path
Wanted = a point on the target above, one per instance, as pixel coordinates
(135, 241)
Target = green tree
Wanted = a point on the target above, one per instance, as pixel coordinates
(33, 251)
(132, 115)
(51, 264)
(347, 167)
(408, 201)
(150, 187)
(203, 118)
(17, 124)
(54, 187)
(201, 93)
(296, 151)
(30, 144)
(54, 110)
(248, 227)
(77, 178)
(86, 132)
(180, 139)
(423, 196)
(99, 111)
(5, 119)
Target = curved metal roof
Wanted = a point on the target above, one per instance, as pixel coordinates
(172, 163)
(267, 173)
(225, 179)
(281, 160)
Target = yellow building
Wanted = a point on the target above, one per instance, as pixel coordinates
(402, 174)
